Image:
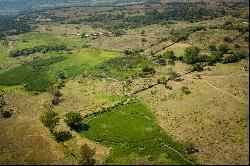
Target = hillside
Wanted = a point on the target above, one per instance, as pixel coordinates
(139, 84)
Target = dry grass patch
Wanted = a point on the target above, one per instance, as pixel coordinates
(24, 140)
(214, 121)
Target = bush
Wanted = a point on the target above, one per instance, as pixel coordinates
(185, 90)
(62, 136)
(50, 119)
(170, 55)
(214, 57)
(196, 67)
(223, 48)
(191, 55)
(227, 39)
(212, 47)
(172, 74)
(75, 121)
(161, 61)
(190, 148)
(5, 113)
(232, 58)
(170, 62)
(236, 46)
(57, 94)
(148, 70)
(162, 80)
(86, 155)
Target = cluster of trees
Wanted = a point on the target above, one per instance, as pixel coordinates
(218, 54)
(74, 120)
(181, 35)
(9, 25)
(228, 25)
(172, 11)
(167, 57)
(41, 48)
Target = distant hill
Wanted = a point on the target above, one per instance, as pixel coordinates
(13, 6)
(7, 6)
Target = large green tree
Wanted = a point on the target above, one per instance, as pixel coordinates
(191, 55)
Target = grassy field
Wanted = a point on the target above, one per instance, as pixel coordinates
(42, 73)
(145, 142)
(30, 40)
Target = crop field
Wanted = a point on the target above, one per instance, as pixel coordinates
(116, 129)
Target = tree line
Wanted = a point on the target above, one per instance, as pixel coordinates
(41, 48)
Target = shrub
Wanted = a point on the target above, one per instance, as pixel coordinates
(86, 155)
(191, 149)
(161, 61)
(223, 48)
(172, 74)
(214, 57)
(57, 94)
(185, 90)
(50, 119)
(62, 75)
(170, 55)
(191, 55)
(148, 70)
(236, 46)
(170, 62)
(227, 39)
(212, 47)
(143, 40)
(143, 32)
(5, 113)
(55, 100)
(62, 136)
(196, 67)
(232, 58)
(162, 80)
(75, 121)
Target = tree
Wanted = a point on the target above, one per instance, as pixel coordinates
(214, 57)
(191, 55)
(50, 119)
(75, 121)
(62, 136)
(86, 155)
(169, 55)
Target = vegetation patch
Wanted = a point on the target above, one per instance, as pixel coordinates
(116, 129)
(121, 67)
(33, 75)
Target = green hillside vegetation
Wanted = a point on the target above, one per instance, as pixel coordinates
(117, 129)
